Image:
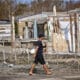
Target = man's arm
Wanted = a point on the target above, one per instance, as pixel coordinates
(44, 45)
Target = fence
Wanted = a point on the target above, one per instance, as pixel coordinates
(63, 61)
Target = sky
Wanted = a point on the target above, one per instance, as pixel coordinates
(24, 1)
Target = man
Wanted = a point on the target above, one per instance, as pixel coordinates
(39, 56)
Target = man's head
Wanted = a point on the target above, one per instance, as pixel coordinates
(41, 36)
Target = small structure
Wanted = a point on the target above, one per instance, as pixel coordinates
(59, 32)
(39, 20)
(5, 30)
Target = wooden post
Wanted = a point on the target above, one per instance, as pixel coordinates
(71, 32)
(13, 32)
(4, 55)
(13, 37)
(78, 30)
(76, 22)
(58, 26)
(54, 17)
(76, 33)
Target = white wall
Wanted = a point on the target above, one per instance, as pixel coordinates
(5, 31)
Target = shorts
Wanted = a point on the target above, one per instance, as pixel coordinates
(39, 59)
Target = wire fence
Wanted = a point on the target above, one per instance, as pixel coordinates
(58, 61)
(63, 61)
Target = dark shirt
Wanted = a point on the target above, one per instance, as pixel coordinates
(40, 47)
(39, 56)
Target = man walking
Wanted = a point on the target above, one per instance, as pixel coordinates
(39, 56)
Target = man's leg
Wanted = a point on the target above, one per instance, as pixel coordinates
(31, 70)
(42, 61)
(46, 69)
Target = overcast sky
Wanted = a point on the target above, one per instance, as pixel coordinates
(23, 1)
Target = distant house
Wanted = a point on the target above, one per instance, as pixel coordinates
(5, 30)
(28, 21)
(26, 24)
(26, 29)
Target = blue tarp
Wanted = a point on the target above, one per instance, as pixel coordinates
(35, 29)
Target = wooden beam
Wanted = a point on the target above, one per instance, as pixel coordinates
(76, 32)
(71, 32)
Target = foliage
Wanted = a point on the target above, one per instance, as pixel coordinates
(7, 7)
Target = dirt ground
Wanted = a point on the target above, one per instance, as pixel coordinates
(20, 72)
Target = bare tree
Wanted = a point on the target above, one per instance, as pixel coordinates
(70, 5)
(6, 8)
(21, 9)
